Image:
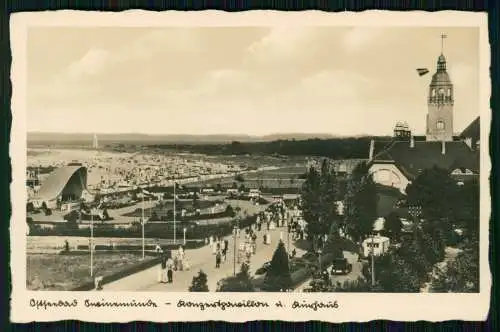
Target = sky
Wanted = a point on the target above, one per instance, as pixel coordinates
(243, 80)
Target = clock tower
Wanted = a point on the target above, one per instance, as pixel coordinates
(440, 104)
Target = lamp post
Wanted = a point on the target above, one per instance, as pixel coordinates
(319, 259)
(184, 230)
(91, 244)
(288, 239)
(235, 230)
(142, 224)
(373, 261)
(175, 230)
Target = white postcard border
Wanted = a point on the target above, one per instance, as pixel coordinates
(351, 306)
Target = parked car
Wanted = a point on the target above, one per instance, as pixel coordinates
(341, 266)
(263, 269)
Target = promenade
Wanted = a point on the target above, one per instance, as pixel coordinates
(201, 259)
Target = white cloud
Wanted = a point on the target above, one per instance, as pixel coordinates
(361, 37)
(92, 63)
(336, 84)
(282, 43)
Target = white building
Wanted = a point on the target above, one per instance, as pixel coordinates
(378, 245)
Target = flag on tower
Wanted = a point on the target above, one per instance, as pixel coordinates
(422, 71)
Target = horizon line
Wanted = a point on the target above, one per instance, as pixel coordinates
(213, 134)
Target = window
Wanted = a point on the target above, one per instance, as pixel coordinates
(440, 125)
(433, 92)
(448, 93)
(441, 92)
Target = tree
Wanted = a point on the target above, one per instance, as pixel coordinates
(460, 275)
(309, 195)
(412, 251)
(239, 178)
(319, 196)
(433, 236)
(395, 275)
(278, 277)
(434, 191)
(393, 225)
(360, 203)
(466, 206)
(199, 283)
(218, 187)
(230, 211)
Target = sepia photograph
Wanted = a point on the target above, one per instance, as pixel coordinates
(253, 158)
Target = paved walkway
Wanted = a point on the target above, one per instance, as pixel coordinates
(203, 259)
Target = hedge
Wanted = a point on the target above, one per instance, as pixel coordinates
(121, 274)
(149, 248)
(152, 230)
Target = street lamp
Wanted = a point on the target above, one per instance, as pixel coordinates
(235, 230)
(319, 259)
(91, 244)
(288, 239)
(373, 261)
(142, 226)
(184, 230)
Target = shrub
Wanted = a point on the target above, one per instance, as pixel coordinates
(242, 282)
(278, 277)
(199, 283)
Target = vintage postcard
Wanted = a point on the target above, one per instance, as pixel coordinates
(191, 166)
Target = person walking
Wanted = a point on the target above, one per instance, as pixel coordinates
(163, 267)
(224, 254)
(170, 275)
(217, 260)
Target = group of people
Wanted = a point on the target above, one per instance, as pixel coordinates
(177, 262)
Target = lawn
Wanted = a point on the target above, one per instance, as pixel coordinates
(56, 272)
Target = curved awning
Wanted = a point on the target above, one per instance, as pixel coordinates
(55, 183)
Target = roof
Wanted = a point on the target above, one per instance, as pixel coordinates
(472, 130)
(54, 184)
(425, 155)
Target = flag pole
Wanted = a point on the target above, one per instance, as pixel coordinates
(175, 235)
(91, 244)
(142, 225)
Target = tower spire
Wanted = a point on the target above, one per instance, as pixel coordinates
(443, 37)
